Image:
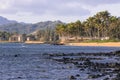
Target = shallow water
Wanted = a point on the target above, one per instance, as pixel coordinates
(33, 67)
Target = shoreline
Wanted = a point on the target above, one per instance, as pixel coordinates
(106, 44)
(26, 42)
(33, 42)
(97, 44)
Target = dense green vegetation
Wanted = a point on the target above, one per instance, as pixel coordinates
(100, 26)
(4, 36)
(47, 35)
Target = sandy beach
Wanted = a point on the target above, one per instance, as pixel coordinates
(34, 42)
(108, 44)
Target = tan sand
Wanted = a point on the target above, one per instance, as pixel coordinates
(34, 42)
(108, 44)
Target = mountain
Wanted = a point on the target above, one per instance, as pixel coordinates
(47, 24)
(5, 21)
(118, 17)
(14, 26)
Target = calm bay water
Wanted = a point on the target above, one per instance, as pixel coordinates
(20, 48)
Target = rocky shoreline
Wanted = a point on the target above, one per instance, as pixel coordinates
(96, 66)
(61, 66)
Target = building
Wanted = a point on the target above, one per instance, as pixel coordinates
(31, 38)
(16, 38)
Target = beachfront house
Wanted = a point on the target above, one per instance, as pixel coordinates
(31, 38)
(70, 39)
(16, 38)
(78, 39)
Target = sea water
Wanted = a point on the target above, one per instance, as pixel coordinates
(30, 64)
(21, 48)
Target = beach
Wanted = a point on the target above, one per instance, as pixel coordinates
(33, 42)
(97, 44)
(107, 44)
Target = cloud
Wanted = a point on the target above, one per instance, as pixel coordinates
(97, 2)
(6, 7)
(65, 10)
(112, 8)
(55, 7)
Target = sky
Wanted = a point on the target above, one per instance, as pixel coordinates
(33, 11)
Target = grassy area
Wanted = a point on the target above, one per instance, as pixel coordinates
(93, 41)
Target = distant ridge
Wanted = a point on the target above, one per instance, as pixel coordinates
(6, 21)
(14, 26)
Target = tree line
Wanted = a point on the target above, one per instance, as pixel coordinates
(101, 25)
(4, 35)
(47, 35)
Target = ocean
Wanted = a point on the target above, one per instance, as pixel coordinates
(19, 61)
(21, 48)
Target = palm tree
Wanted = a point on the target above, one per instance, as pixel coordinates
(61, 31)
(79, 28)
(102, 23)
(114, 27)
